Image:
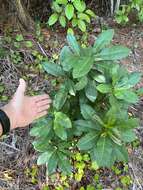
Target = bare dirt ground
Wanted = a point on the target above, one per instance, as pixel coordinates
(16, 152)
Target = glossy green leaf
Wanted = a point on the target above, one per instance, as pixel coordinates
(82, 25)
(71, 88)
(90, 13)
(69, 11)
(86, 126)
(88, 141)
(61, 123)
(60, 98)
(112, 53)
(53, 69)
(84, 17)
(140, 92)
(44, 157)
(53, 19)
(74, 22)
(87, 111)
(90, 91)
(120, 153)
(52, 163)
(82, 67)
(104, 88)
(127, 95)
(67, 58)
(42, 144)
(41, 128)
(73, 43)
(62, 21)
(134, 78)
(79, 5)
(64, 163)
(62, 2)
(81, 84)
(99, 78)
(103, 151)
(56, 7)
(103, 40)
(128, 136)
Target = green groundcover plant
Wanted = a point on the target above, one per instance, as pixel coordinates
(122, 15)
(90, 108)
(71, 13)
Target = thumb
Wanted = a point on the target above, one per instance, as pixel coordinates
(21, 88)
(19, 94)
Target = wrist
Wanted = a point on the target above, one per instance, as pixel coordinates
(11, 117)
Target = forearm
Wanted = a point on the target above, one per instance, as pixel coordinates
(0, 129)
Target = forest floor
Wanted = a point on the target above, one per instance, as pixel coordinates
(18, 169)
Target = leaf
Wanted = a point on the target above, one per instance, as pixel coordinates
(41, 128)
(91, 13)
(126, 95)
(116, 139)
(53, 19)
(53, 69)
(52, 163)
(86, 126)
(87, 111)
(61, 123)
(82, 67)
(56, 7)
(60, 98)
(82, 25)
(69, 11)
(91, 91)
(112, 53)
(134, 78)
(104, 88)
(74, 22)
(62, 21)
(19, 37)
(140, 92)
(103, 40)
(128, 136)
(129, 123)
(79, 5)
(42, 144)
(88, 141)
(64, 163)
(103, 151)
(70, 87)
(29, 44)
(67, 58)
(99, 78)
(62, 2)
(84, 17)
(81, 84)
(44, 157)
(73, 43)
(120, 153)
(70, 31)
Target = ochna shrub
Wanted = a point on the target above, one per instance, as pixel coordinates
(134, 6)
(90, 108)
(71, 14)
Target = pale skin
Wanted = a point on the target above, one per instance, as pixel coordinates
(23, 110)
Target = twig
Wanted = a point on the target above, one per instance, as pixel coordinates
(42, 50)
(7, 145)
(135, 177)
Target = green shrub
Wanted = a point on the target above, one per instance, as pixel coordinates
(90, 109)
(122, 15)
(71, 13)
